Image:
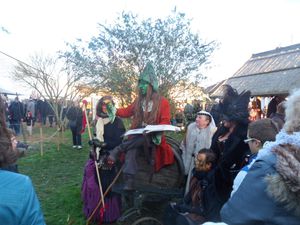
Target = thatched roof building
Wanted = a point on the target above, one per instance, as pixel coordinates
(274, 72)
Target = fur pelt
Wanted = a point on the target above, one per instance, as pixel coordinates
(284, 186)
(292, 113)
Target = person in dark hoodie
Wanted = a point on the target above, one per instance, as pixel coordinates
(75, 117)
(270, 193)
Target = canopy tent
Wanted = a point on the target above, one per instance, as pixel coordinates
(4, 91)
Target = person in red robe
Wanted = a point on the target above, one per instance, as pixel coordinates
(149, 108)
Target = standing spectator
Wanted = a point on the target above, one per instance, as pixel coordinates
(29, 122)
(272, 106)
(41, 108)
(199, 135)
(16, 114)
(278, 116)
(6, 104)
(229, 148)
(260, 133)
(19, 204)
(75, 117)
(189, 116)
(50, 113)
(31, 107)
(270, 192)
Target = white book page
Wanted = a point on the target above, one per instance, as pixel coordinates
(152, 128)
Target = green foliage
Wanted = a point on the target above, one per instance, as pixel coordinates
(114, 58)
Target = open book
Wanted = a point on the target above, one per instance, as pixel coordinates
(152, 128)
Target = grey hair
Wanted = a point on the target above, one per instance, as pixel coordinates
(292, 112)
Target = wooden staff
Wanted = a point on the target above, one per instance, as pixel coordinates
(96, 164)
(87, 122)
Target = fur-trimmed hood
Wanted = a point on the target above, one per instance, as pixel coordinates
(284, 186)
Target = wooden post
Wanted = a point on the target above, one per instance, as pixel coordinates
(23, 132)
(41, 138)
(58, 139)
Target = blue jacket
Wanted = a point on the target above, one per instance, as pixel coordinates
(254, 201)
(19, 204)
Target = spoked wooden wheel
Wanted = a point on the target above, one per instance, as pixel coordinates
(147, 221)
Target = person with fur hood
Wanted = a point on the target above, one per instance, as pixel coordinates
(270, 193)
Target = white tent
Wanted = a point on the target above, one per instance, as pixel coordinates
(4, 91)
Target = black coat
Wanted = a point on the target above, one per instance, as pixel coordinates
(75, 117)
(112, 133)
(231, 155)
(16, 111)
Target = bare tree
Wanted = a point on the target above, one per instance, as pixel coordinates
(52, 80)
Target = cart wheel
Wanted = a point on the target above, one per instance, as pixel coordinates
(147, 221)
(131, 215)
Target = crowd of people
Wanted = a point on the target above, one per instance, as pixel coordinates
(29, 111)
(218, 157)
(237, 171)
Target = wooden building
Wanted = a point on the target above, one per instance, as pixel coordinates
(265, 74)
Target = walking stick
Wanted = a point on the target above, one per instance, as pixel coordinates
(96, 164)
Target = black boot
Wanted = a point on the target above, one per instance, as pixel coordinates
(128, 181)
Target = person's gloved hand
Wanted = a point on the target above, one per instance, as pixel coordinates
(97, 143)
(111, 112)
(156, 138)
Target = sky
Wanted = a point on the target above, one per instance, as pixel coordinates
(241, 27)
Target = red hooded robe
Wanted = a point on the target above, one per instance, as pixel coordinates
(163, 155)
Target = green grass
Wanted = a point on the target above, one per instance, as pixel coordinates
(57, 176)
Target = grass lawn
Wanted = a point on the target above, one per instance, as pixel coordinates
(57, 175)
